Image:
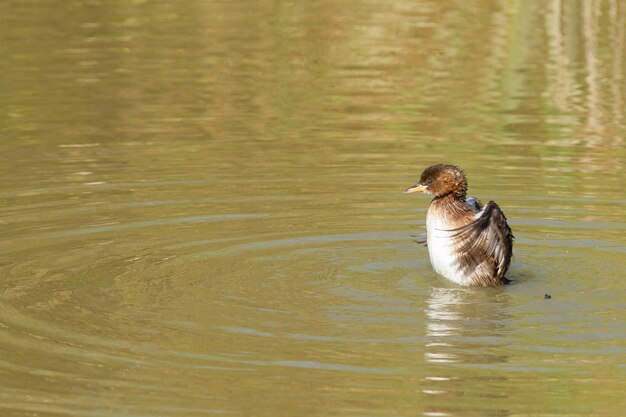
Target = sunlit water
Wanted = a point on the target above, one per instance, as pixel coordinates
(201, 208)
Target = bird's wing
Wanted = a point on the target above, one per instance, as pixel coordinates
(488, 236)
(420, 239)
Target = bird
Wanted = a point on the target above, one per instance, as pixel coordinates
(468, 243)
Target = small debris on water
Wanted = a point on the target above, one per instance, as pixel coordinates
(547, 296)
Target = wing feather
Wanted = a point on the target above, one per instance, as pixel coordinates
(487, 237)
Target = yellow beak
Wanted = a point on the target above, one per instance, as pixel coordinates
(417, 188)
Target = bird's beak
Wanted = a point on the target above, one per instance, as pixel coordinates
(417, 188)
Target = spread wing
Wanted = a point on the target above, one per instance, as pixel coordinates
(487, 237)
(420, 239)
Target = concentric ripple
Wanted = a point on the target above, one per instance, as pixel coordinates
(178, 320)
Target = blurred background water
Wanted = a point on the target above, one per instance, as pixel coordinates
(201, 208)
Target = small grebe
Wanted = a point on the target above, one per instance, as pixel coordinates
(468, 243)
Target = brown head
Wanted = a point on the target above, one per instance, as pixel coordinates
(441, 180)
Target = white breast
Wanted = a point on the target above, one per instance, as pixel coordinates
(441, 251)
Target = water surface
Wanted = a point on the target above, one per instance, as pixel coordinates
(201, 208)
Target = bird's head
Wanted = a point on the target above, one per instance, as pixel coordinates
(441, 180)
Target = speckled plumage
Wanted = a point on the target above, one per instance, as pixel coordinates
(468, 243)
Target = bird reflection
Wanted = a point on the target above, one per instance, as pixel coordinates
(466, 342)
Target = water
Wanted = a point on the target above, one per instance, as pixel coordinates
(201, 207)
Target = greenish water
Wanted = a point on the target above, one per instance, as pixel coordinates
(201, 207)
